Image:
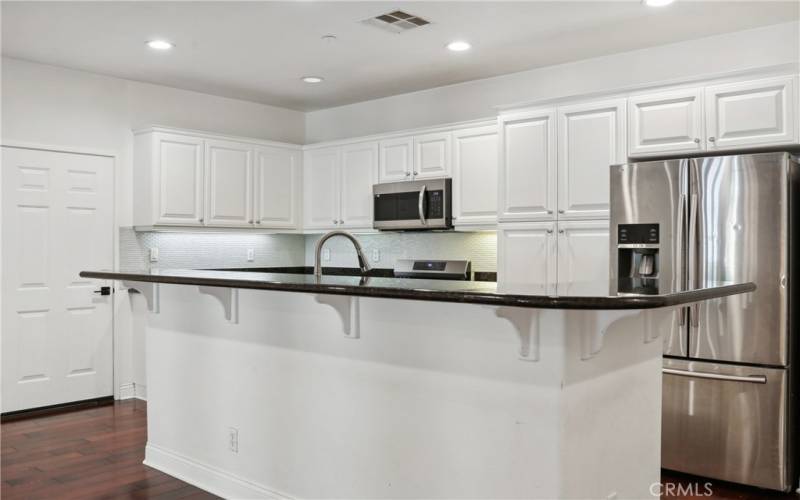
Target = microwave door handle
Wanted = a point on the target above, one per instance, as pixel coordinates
(421, 205)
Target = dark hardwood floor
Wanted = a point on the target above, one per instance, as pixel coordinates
(98, 453)
(93, 453)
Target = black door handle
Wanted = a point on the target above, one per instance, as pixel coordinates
(104, 290)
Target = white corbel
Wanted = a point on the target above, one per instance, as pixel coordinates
(526, 324)
(228, 297)
(347, 307)
(150, 292)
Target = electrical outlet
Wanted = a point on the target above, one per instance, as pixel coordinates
(233, 439)
(326, 254)
(153, 254)
(251, 255)
(376, 255)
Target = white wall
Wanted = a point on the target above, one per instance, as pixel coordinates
(59, 107)
(767, 46)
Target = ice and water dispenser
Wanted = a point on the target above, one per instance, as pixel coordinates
(638, 260)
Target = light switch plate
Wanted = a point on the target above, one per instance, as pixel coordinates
(251, 255)
(376, 255)
(153, 254)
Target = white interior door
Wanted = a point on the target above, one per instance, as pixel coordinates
(359, 172)
(56, 333)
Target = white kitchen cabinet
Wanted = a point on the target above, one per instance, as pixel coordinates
(583, 251)
(229, 180)
(527, 173)
(760, 112)
(396, 159)
(475, 159)
(666, 123)
(277, 185)
(431, 155)
(321, 188)
(527, 254)
(358, 173)
(591, 137)
(170, 176)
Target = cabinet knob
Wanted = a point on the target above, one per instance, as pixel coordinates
(258, 222)
(416, 173)
(341, 221)
(712, 139)
(549, 212)
(250, 222)
(200, 220)
(408, 174)
(561, 231)
(549, 231)
(697, 140)
(561, 211)
(335, 221)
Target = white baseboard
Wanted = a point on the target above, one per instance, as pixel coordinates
(127, 391)
(206, 477)
(133, 390)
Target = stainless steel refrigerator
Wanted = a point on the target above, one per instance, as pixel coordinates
(729, 364)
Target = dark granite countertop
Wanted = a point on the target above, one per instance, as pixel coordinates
(586, 295)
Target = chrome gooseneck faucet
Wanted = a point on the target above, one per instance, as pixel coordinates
(362, 260)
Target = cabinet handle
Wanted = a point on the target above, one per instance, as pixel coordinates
(697, 140)
(712, 139)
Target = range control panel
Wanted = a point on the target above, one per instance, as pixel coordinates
(638, 234)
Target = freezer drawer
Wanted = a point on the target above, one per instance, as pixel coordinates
(726, 422)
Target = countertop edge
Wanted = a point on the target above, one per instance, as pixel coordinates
(487, 299)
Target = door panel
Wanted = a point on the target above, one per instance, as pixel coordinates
(475, 176)
(655, 193)
(666, 123)
(592, 139)
(321, 188)
(527, 254)
(431, 155)
(732, 427)
(528, 166)
(358, 173)
(277, 175)
(742, 229)
(229, 175)
(751, 113)
(396, 159)
(180, 179)
(582, 251)
(57, 221)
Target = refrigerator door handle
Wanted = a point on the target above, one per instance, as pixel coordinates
(693, 257)
(752, 379)
(680, 264)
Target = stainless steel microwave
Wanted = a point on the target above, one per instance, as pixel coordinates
(413, 205)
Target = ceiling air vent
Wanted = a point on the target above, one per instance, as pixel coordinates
(397, 21)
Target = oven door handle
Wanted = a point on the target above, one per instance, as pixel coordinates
(421, 205)
(752, 379)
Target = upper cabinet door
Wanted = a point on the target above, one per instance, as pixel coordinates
(229, 179)
(583, 251)
(527, 180)
(751, 113)
(359, 172)
(179, 179)
(432, 155)
(475, 159)
(591, 139)
(666, 123)
(277, 177)
(321, 188)
(526, 254)
(396, 159)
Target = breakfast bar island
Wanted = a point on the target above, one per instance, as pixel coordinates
(266, 384)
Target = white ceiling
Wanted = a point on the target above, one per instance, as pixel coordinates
(259, 50)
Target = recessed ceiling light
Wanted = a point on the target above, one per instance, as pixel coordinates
(312, 79)
(160, 44)
(657, 3)
(459, 46)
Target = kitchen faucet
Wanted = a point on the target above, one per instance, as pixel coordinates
(362, 260)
